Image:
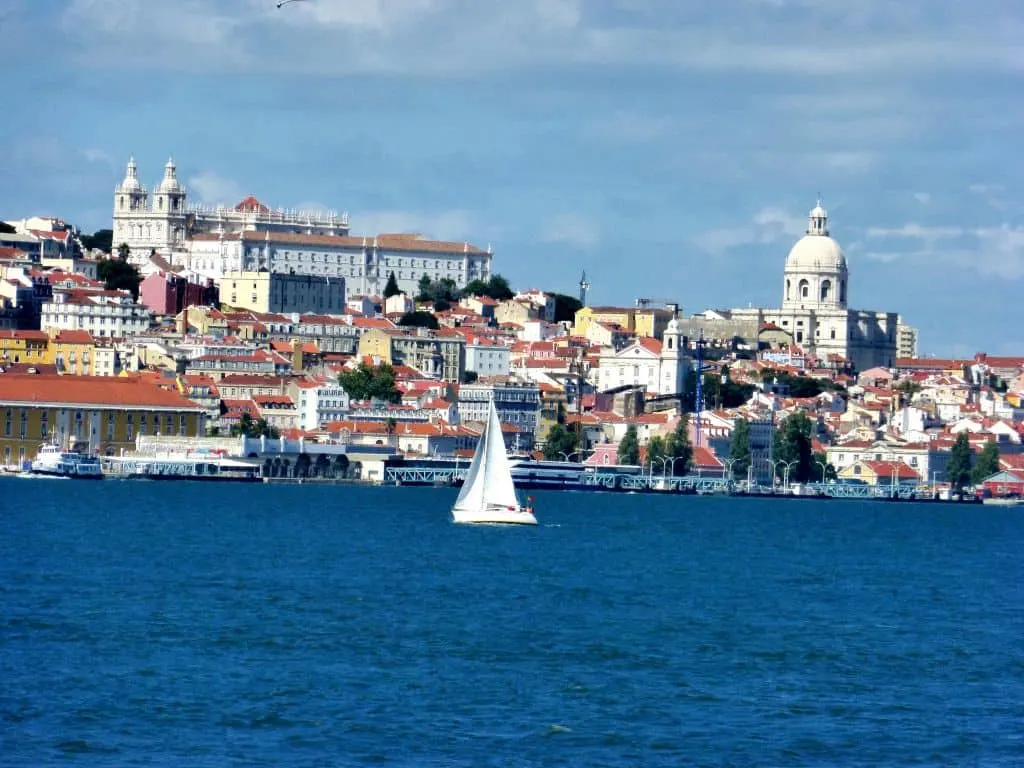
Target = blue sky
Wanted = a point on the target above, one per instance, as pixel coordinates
(672, 149)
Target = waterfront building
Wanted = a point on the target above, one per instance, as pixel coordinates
(364, 262)
(439, 354)
(517, 402)
(319, 401)
(276, 292)
(104, 414)
(164, 220)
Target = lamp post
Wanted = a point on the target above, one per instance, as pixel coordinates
(824, 470)
(728, 464)
(664, 465)
(775, 470)
(567, 456)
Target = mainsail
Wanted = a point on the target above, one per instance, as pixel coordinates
(489, 479)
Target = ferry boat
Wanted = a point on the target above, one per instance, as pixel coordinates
(52, 461)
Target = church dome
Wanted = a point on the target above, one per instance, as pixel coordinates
(170, 180)
(816, 251)
(131, 178)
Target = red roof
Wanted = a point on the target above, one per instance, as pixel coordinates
(252, 205)
(90, 390)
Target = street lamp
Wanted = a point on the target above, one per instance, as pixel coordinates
(824, 470)
(664, 465)
(728, 464)
(568, 455)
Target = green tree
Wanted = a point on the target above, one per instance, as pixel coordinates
(629, 447)
(829, 474)
(565, 307)
(119, 275)
(123, 251)
(101, 239)
(391, 289)
(249, 428)
(678, 447)
(475, 288)
(656, 451)
(793, 444)
(739, 448)
(958, 470)
(558, 441)
(7, 229)
(468, 377)
(423, 288)
(987, 463)
(365, 382)
(419, 319)
(498, 288)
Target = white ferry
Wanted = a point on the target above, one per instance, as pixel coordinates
(51, 461)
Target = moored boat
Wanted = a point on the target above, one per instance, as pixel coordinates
(52, 461)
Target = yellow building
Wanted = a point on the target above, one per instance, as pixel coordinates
(440, 353)
(280, 292)
(25, 347)
(642, 321)
(73, 352)
(103, 414)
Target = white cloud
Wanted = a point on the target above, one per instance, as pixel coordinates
(571, 229)
(771, 224)
(211, 189)
(467, 37)
(453, 225)
(993, 251)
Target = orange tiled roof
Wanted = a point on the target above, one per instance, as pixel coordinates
(90, 390)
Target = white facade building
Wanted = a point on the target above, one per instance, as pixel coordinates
(163, 220)
(814, 304)
(110, 314)
(486, 357)
(320, 403)
(364, 262)
(660, 367)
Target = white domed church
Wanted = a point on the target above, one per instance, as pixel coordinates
(814, 312)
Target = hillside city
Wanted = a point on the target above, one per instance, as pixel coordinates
(280, 336)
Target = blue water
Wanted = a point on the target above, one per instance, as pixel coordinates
(219, 625)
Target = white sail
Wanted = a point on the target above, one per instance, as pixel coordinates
(488, 494)
(498, 487)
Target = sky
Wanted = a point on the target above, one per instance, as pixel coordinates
(670, 149)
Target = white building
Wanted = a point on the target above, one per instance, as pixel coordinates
(364, 262)
(164, 220)
(111, 314)
(486, 357)
(320, 402)
(659, 367)
(906, 340)
(814, 304)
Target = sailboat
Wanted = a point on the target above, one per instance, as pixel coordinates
(488, 494)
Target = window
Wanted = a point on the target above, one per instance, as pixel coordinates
(826, 290)
(805, 289)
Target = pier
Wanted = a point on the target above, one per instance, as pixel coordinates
(686, 484)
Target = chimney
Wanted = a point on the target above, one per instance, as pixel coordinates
(297, 356)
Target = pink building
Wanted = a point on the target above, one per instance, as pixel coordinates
(167, 293)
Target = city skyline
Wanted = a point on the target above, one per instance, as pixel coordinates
(669, 152)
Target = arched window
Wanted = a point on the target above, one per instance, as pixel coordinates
(805, 289)
(826, 290)
(789, 284)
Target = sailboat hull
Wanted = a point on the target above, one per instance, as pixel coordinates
(494, 516)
